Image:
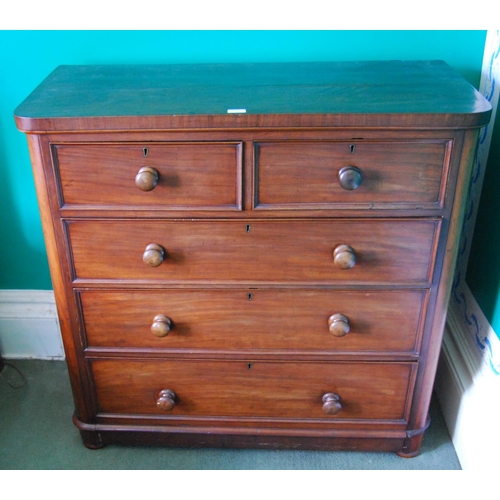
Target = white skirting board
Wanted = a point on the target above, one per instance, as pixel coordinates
(29, 327)
(468, 380)
(468, 384)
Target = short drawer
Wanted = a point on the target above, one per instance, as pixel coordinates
(292, 320)
(378, 391)
(370, 174)
(378, 251)
(202, 176)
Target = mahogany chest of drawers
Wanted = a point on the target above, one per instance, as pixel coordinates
(253, 255)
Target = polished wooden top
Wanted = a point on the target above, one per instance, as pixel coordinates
(318, 94)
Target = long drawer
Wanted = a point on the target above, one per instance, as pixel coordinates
(322, 174)
(189, 175)
(376, 391)
(320, 251)
(247, 319)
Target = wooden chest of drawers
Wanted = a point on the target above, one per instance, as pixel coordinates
(254, 254)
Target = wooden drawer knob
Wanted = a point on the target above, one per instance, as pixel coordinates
(331, 403)
(153, 255)
(350, 178)
(166, 400)
(338, 325)
(161, 325)
(344, 257)
(146, 179)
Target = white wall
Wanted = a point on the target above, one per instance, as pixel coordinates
(28, 325)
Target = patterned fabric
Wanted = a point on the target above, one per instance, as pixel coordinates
(483, 340)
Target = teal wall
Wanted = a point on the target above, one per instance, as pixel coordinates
(26, 57)
(483, 271)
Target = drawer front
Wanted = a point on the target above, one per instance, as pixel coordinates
(229, 320)
(175, 176)
(386, 251)
(253, 388)
(306, 174)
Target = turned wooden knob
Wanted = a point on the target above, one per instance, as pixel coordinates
(350, 178)
(147, 178)
(338, 325)
(344, 257)
(153, 255)
(331, 403)
(166, 400)
(161, 325)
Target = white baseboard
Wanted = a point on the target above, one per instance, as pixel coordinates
(468, 380)
(29, 327)
(468, 383)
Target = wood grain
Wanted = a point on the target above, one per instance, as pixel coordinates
(339, 94)
(191, 175)
(226, 340)
(253, 389)
(387, 251)
(290, 174)
(230, 320)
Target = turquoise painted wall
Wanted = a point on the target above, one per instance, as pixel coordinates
(483, 271)
(26, 57)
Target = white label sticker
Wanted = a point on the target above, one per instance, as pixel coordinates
(236, 110)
